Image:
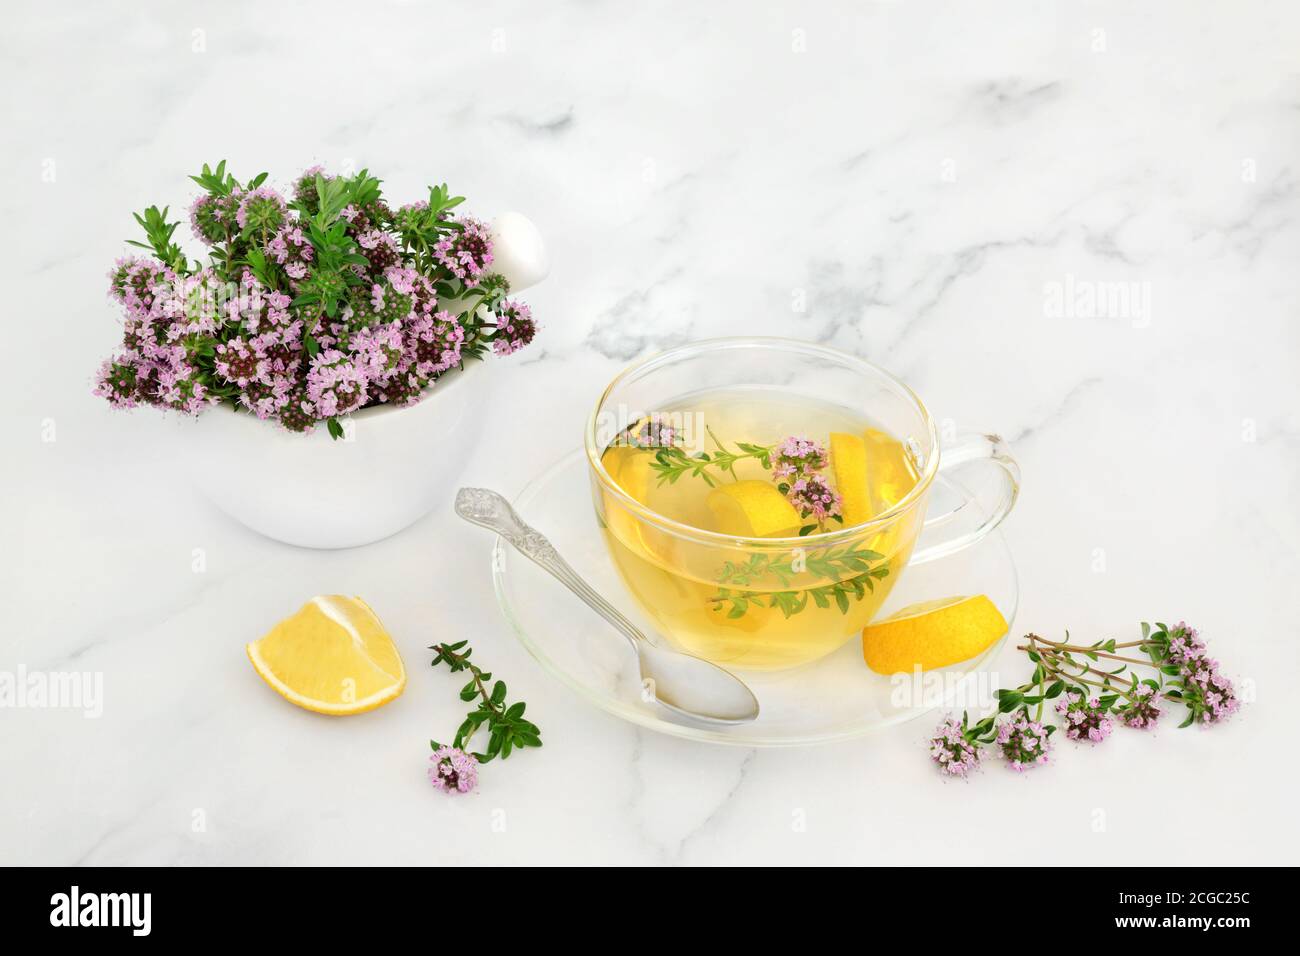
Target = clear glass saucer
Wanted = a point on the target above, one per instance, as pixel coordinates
(835, 698)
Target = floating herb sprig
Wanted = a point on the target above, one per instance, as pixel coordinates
(507, 729)
(1093, 686)
(672, 463)
(735, 579)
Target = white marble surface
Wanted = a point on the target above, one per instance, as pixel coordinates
(916, 173)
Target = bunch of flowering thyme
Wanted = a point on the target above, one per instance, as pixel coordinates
(310, 306)
(1093, 687)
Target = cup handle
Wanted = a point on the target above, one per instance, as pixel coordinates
(965, 449)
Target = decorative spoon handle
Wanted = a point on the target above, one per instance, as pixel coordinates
(487, 509)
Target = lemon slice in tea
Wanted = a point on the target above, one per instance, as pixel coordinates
(932, 634)
(849, 466)
(332, 657)
(752, 509)
(891, 475)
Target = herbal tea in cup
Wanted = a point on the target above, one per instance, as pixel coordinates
(761, 497)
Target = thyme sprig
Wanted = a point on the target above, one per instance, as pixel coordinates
(507, 728)
(833, 563)
(159, 233)
(1170, 677)
(1094, 686)
(671, 463)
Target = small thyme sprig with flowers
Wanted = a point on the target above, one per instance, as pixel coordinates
(453, 768)
(1093, 686)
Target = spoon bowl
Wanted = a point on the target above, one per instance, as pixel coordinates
(686, 685)
(694, 687)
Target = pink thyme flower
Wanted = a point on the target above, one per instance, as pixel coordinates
(380, 249)
(798, 456)
(1085, 718)
(291, 249)
(138, 283)
(1184, 644)
(451, 770)
(378, 303)
(515, 327)
(240, 362)
(434, 343)
(304, 188)
(261, 210)
(178, 387)
(1140, 711)
(1208, 694)
(306, 181)
(410, 216)
(466, 253)
(336, 384)
(116, 380)
(1024, 743)
(404, 279)
(949, 748)
(654, 432)
(379, 350)
(424, 297)
(813, 497)
(403, 387)
(195, 304)
(212, 218)
(161, 377)
(203, 219)
(298, 414)
(267, 400)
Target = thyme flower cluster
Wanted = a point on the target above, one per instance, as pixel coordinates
(952, 751)
(1025, 743)
(1084, 717)
(1209, 695)
(310, 306)
(797, 464)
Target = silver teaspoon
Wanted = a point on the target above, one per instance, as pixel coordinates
(688, 685)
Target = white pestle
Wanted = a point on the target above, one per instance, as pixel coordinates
(518, 252)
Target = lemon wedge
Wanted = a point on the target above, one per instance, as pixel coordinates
(932, 634)
(332, 657)
(849, 466)
(752, 509)
(892, 474)
(629, 466)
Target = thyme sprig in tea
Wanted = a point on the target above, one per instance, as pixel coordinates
(736, 579)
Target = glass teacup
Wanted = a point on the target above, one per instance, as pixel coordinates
(717, 530)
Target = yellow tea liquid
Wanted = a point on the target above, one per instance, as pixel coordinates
(749, 604)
